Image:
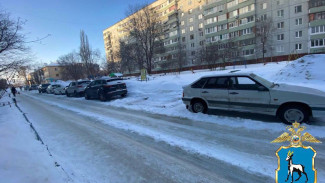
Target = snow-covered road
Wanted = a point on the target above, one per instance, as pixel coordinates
(99, 143)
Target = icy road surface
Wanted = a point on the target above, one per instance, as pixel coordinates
(97, 143)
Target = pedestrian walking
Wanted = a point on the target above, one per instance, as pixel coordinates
(13, 91)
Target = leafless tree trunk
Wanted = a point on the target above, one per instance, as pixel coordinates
(264, 29)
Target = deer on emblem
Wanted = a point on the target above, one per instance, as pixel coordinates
(294, 168)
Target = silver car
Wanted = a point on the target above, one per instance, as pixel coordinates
(76, 88)
(50, 88)
(60, 90)
(251, 93)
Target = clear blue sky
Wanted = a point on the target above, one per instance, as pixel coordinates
(64, 19)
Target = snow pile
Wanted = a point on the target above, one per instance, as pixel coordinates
(22, 157)
(60, 82)
(306, 71)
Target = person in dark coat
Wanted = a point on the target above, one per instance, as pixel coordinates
(13, 91)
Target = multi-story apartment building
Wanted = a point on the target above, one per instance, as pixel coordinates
(297, 27)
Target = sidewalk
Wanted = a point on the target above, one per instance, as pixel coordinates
(22, 157)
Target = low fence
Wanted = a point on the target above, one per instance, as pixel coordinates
(242, 62)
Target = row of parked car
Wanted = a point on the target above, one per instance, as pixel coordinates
(103, 89)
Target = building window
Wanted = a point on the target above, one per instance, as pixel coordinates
(191, 36)
(280, 48)
(264, 6)
(298, 34)
(320, 16)
(201, 43)
(280, 37)
(192, 45)
(280, 13)
(191, 20)
(298, 9)
(298, 21)
(201, 33)
(248, 52)
(183, 31)
(263, 17)
(55, 69)
(190, 11)
(222, 17)
(201, 25)
(317, 43)
(247, 9)
(246, 31)
(57, 75)
(182, 14)
(200, 16)
(279, 2)
(193, 53)
(182, 22)
(191, 28)
(183, 39)
(280, 25)
(318, 29)
(299, 46)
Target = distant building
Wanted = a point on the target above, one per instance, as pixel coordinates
(48, 73)
(52, 72)
(298, 28)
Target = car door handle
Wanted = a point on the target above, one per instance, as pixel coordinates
(205, 92)
(233, 93)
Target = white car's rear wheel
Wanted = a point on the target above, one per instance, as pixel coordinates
(198, 106)
(291, 114)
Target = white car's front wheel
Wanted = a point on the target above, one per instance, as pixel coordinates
(291, 114)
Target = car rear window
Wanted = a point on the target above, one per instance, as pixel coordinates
(200, 83)
(109, 80)
(83, 82)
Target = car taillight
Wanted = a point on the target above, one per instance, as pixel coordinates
(107, 86)
(79, 86)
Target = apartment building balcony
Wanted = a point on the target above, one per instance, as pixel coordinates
(316, 6)
(241, 5)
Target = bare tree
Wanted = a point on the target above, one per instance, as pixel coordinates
(37, 76)
(23, 72)
(88, 56)
(208, 54)
(128, 55)
(264, 29)
(73, 68)
(145, 28)
(12, 45)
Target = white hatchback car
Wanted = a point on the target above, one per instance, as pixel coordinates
(247, 92)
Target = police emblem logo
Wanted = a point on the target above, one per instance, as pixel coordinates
(296, 162)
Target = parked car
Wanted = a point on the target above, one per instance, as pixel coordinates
(105, 89)
(42, 88)
(60, 90)
(33, 87)
(50, 88)
(251, 93)
(76, 88)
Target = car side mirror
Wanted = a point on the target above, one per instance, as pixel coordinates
(262, 88)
